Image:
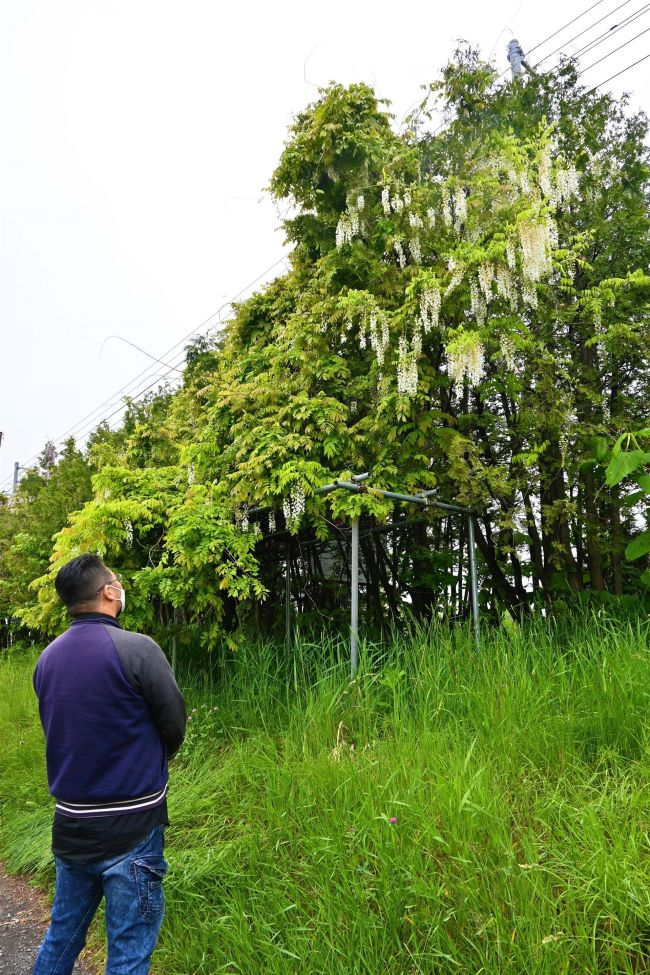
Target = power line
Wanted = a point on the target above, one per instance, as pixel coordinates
(619, 48)
(597, 41)
(148, 369)
(611, 78)
(79, 428)
(585, 31)
(560, 29)
(564, 27)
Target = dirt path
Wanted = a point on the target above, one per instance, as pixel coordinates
(24, 916)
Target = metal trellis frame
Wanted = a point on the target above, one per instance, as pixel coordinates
(424, 499)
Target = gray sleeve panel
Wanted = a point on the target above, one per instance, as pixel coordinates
(148, 672)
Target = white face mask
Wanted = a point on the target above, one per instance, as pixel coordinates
(122, 598)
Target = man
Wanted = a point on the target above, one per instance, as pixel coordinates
(112, 715)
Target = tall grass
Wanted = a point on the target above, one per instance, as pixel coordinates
(447, 811)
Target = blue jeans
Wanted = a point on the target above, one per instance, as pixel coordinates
(132, 886)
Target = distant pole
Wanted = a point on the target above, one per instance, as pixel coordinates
(174, 642)
(354, 602)
(471, 552)
(517, 60)
(16, 469)
(287, 599)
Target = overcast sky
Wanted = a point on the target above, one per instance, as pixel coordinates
(137, 139)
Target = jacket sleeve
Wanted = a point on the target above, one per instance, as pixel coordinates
(147, 670)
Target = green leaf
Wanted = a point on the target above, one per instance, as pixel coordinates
(638, 547)
(633, 498)
(643, 480)
(624, 464)
(601, 449)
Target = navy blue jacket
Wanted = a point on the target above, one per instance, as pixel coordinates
(112, 713)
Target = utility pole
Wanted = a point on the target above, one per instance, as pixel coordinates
(517, 59)
(16, 470)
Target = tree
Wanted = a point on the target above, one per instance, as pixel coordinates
(465, 311)
(46, 497)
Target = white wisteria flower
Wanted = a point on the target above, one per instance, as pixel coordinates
(508, 351)
(407, 367)
(465, 360)
(507, 286)
(485, 278)
(479, 307)
(460, 209)
(415, 250)
(446, 208)
(430, 301)
(401, 256)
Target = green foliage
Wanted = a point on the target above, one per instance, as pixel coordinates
(46, 498)
(623, 463)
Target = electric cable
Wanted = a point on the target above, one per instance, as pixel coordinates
(597, 41)
(555, 33)
(79, 427)
(206, 323)
(585, 31)
(611, 78)
(619, 48)
(560, 29)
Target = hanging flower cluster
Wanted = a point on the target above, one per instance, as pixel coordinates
(375, 331)
(478, 302)
(457, 275)
(460, 209)
(271, 521)
(294, 506)
(466, 360)
(396, 203)
(415, 250)
(537, 237)
(447, 215)
(430, 301)
(529, 294)
(485, 279)
(558, 184)
(241, 520)
(350, 224)
(508, 351)
(128, 528)
(401, 256)
(407, 366)
(191, 475)
(507, 286)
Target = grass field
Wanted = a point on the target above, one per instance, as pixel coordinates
(448, 811)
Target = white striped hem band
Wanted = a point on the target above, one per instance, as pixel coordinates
(102, 808)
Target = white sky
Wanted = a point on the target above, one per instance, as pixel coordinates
(137, 138)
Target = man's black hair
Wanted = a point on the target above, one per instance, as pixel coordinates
(78, 581)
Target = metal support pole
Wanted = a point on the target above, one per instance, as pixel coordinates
(176, 615)
(471, 552)
(354, 601)
(287, 599)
